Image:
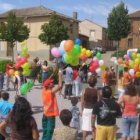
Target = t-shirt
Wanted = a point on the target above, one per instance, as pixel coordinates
(106, 110)
(68, 75)
(5, 107)
(25, 133)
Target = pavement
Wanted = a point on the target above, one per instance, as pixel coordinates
(34, 97)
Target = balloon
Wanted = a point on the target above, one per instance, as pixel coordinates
(16, 73)
(30, 83)
(18, 65)
(136, 67)
(55, 52)
(23, 60)
(131, 72)
(137, 74)
(101, 62)
(99, 55)
(83, 51)
(24, 89)
(11, 72)
(26, 66)
(88, 53)
(134, 55)
(131, 64)
(102, 67)
(68, 45)
(94, 58)
(98, 70)
(138, 55)
(24, 52)
(91, 69)
(78, 41)
(137, 61)
(76, 50)
(26, 72)
(61, 50)
(62, 44)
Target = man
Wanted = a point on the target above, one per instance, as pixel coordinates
(106, 111)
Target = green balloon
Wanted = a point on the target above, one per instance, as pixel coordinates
(99, 55)
(24, 89)
(131, 63)
(77, 50)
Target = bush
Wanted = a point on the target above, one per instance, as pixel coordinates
(3, 64)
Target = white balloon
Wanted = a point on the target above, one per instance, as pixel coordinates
(62, 44)
(94, 58)
(131, 72)
(98, 70)
(101, 62)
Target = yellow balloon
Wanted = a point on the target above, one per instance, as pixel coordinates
(16, 73)
(102, 67)
(137, 74)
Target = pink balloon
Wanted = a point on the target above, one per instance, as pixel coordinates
(55, 52)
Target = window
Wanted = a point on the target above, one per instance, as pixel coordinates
(130, 43)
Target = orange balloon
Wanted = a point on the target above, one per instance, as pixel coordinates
(136, 67)
(68, 45)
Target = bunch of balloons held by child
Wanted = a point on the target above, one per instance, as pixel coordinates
(22, 62)
(132, 61)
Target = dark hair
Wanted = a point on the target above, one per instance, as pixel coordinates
(65, 116)
(20, 69)
(5, 96)
(125, 69)
(74, 101)
(21, 114)
(92, 81)
(45, 62)
(106, 92)
(130, 90)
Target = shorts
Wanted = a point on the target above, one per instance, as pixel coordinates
(129, 125)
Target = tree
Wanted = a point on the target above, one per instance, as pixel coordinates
(13, 30)
(54, 31)
(118, 23)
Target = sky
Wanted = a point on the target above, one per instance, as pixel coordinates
(95, 10)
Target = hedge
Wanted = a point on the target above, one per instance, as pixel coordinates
(3, 64)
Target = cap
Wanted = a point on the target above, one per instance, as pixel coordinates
(47, 82)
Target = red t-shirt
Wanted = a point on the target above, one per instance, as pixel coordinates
(75, 74)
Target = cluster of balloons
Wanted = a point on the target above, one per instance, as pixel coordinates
(25, 88)
(71, 52)
(132, 61)
(22, 61)
(97, 64)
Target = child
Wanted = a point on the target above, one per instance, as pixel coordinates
(5, 108)
(19, 80)
(1, 80)
(75, 122)
(50, 107)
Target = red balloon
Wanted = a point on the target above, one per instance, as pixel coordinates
(18, 65)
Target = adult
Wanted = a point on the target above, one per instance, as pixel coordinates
(126, 77)
(21, 122)
(50, 107)
(68, 72)
(65, 132)
(137, 85)
(129, 102)
(88, 99)
(44, 69)
(106, 111)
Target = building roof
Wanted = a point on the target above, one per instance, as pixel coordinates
(92, 22)
(34, 12)
(136, 14)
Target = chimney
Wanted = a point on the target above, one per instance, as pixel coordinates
(75, 15)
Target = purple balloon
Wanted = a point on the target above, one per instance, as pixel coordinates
(55, 52)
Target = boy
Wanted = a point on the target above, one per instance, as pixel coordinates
(106, 111)
(50, 107)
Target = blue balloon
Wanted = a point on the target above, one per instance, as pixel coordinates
(77, 41)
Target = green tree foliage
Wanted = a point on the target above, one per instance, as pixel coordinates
(118, 22)
(13, 30)
(54, 31)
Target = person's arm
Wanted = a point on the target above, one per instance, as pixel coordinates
(93, 119)
(82, 101)
(56, 89)
(35, 134)
(3, 125)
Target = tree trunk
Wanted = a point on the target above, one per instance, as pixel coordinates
(12, 46)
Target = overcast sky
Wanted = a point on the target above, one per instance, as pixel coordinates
(95, 10)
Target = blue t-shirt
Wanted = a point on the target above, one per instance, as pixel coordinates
(5, 108)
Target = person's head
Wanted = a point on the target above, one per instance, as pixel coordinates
(92, 81)
(106, 92)
(74, 101)
(125, 69)
(21, 114)
(48, 83)
(45, 63)
(130, 90)
(5, 96)
(107, 69)
(37, 59)
(65, 117)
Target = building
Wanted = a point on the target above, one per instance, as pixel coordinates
(133, 38)
(34, 18)
(95, 33)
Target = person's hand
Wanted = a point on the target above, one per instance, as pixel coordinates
(93, 128)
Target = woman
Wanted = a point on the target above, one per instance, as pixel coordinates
(44, 68)
(21, 122)
(89, 98)
(129, 102)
